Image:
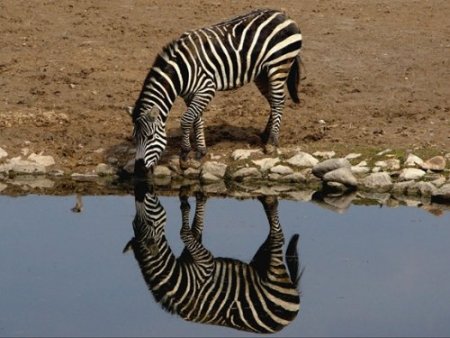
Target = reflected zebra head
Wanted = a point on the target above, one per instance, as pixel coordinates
(150, 137)
(148, 222)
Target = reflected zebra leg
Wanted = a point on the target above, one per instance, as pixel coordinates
(192, 237)
(199, 217)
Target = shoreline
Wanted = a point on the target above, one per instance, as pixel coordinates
(384, 178)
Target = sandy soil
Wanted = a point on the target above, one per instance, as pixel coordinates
(377, 74)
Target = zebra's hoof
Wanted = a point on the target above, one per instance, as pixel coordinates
(200, 154)
(270, 149)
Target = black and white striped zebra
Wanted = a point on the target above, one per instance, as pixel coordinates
(260, 297)
(261, 46)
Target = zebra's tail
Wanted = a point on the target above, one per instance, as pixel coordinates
(294, 79)
(292, 261)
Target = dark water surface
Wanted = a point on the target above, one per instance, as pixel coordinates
(368, 272)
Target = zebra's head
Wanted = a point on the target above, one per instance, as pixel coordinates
(150, 137)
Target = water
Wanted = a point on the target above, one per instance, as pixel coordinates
(368, 272)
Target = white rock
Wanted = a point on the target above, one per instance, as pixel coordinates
(383, 152)
(214, 168)
(360, 170)
(161, 171)
(191, 172)
(104, 169)
(341, 175)
(242, 154)
(322, 168)
(84, 177)
(407, 174)
(390, 164)
(246, 172)
(45, 160)
(362, 164)
(266, 163)
(352, 156)
(208, 177)
(436, 163)
(3, 153)
(324, 154)
(412, 161)
(377, 181)
(303, 160)
(282, 170)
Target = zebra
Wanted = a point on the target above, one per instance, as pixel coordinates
(260, 297)
(261, 46)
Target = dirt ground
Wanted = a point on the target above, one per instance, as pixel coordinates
(377, 75)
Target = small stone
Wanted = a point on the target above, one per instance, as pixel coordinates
(242, 154)
(324, 154)
(113, 160)
(214, 168)
(436, 163)
(282, 170)
(246, 172)
(352, 156)
(44, 160)
(3, 153)
(413, 161)
(266, 163)
(303, 160)
(377, 181)
(99, 151)
(209, 177)
(362, 164)
(342, 175)
(104, 169)
(407, 174)
(161, 171)
(191, 172)
(360, 170)
(383, 152)
(2, 186)
(322, 168)
(390, 164)
(439, 181)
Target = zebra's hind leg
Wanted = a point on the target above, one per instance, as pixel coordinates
(276, 81)
(262, 82)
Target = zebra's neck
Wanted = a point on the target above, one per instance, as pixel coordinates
(164, 83)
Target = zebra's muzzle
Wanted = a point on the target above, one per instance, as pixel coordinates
(140, 170)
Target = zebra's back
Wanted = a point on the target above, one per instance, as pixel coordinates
(237, 296)
(234, 52)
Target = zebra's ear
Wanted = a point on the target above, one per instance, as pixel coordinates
(128, 247)
(153, 113)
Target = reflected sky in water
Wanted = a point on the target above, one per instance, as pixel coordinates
(368, 272)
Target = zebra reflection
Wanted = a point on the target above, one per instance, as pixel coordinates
(260, 297)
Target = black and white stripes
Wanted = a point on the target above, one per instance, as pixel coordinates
(261, 46)
(260, 297)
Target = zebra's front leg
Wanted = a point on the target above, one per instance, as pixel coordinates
(193, 118)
